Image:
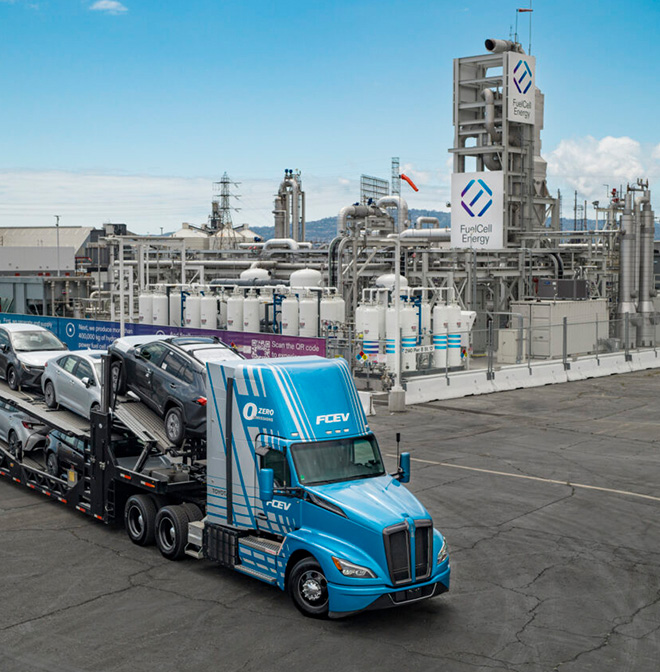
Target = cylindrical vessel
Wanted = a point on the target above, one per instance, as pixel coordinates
(176, 311)
(454, 336)
(255, 274)
(308, 318)
(192, 311)
(208, 312)
(146, 308)
(333, 314)
(251, 306)
(222, 311)
(425, 330)
(409, 323)
(367, 326)
(235, 312)
(160, 309)
(388, 280)
(305, 277)
(440, 332)
(290, 315)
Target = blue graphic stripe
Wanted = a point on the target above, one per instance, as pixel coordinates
(467, 188)
(485, 208)
(477, 197)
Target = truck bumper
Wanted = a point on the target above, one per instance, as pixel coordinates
(346, 600)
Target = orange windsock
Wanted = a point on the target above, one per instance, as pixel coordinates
(409, 181)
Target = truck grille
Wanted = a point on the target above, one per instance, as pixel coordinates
(399, 551)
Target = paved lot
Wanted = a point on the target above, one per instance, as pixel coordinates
(547, 574)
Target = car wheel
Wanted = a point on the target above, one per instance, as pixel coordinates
(94, 407)
(308, 588)
(12, 378)
(49, 395)
(172, 532)
(52, 465)
(117, 378)
(13, 443)
(140, 519)
(174, 428)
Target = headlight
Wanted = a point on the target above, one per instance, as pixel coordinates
(354, 571)
(442, 555)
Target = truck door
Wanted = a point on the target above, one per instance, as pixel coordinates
(282, 514)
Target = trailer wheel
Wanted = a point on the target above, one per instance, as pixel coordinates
(13, 443)
(140, 519)
(193, 511)
(308, 588)
(12, 378)
(174, 428)
(172, 532)
(49, 395)
(117, 378)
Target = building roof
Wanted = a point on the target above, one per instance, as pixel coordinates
(44, 236)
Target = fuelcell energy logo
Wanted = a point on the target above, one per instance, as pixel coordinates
(474, 202)
(522, 76)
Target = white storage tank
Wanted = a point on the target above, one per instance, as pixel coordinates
(333, 313)
(425, 332)
(454, 321)
(367, 326)
(235, 311)
(222, 310)
(305, 277)
(388, 280)
(255, 274)
(289, 319)
(193, 310)
(176, 311)
(308, 317)
(160, 308)
(146, 308)
(440, 332)
(408, 321)
(208, 312)
(251, 305)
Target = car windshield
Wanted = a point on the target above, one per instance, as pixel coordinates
(33, 341)
(217, 353)
(337, 460)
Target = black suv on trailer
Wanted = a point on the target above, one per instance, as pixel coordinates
(168, 374)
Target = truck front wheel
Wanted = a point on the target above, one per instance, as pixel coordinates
(140, 519)
(172, 531)
(308, 588)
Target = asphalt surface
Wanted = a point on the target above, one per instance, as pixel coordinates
(548, 574)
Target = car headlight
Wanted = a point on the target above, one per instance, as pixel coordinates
(354, 571)
(442, 555)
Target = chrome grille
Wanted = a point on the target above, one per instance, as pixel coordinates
(399, 551)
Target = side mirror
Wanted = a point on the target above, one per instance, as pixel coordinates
(404, 468)
(4, 347)
(266, 485)
(137, 354)
(87, 382)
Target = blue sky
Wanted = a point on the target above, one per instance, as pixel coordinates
(129, 111)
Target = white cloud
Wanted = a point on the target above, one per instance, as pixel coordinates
(109, 7)
(587, 164)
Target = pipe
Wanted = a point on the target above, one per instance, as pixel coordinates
(427, 220)
(396, 202)
(500, 46)
(354, 211)
(289, 243)
(491, 161)
(646, 331)
(425, 234)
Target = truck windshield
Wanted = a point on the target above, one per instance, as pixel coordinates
(337, 460)
(33, 341)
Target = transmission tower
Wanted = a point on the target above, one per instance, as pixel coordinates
(221, 205)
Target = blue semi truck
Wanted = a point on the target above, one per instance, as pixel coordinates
(289, 486)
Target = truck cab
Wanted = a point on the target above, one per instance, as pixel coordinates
(298, 495)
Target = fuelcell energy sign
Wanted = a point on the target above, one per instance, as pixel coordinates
(521, 88)
(477, 210)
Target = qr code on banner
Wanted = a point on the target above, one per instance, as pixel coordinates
(259, 349)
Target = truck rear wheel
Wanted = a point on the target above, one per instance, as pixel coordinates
(193, 511)
(172, 531)
(140, 519)
(308, 588)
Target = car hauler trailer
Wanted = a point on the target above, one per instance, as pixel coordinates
(290, 487)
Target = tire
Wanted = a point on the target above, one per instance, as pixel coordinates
(49, 395)
(193, 511)
(13, 443)
(174, 427)
(140, 519)
(308, 588)
(52, 465)
(117, 377)
(12, 378)
(172, 532)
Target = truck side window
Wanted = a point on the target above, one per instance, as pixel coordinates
(276, 461)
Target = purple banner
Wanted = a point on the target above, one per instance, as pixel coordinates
(98, 334)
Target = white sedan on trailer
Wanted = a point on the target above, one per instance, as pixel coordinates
(74, 381)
